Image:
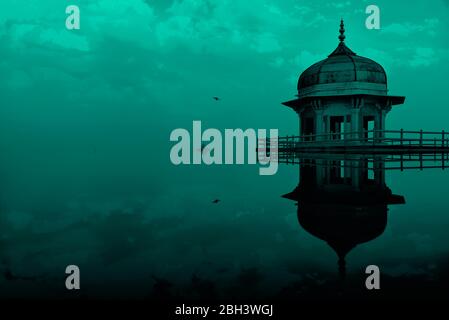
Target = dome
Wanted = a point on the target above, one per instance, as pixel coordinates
(342, 73)
(343, 227)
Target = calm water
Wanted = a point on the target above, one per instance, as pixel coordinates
(85, 175)
(152, 231)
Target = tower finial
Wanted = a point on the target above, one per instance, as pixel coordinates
(342, 31)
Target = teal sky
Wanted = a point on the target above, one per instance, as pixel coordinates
(95, 107)
(85, 119)
(157, 63)
(136, 70)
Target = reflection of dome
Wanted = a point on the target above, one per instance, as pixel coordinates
(344, 209)
(343, 226)
(341, 73)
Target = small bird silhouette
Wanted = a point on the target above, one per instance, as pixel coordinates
(216, 201)
(216, 98)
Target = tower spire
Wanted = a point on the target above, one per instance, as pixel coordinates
(342, 49)
(342, 31)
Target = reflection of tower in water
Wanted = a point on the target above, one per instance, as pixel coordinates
(343, 202)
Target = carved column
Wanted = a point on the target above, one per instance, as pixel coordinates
(319, 123)
(357, 104)
(379, 123)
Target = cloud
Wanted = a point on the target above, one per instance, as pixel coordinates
(130, 21)
(406, 29)
(266, 43)
(423, 57)
(386, 59)
(278, 62)
(409, 57)
(339, 5)
(63, 39)
(306, 59)
(226, 25)
(34, 35)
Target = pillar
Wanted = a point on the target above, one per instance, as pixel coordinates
(355, 123)
(379, 172)
(321, 172)
(383, 115)
(356, 166)
(319, 112)
(319, 123)
(379, 123)
(356, 126)
(348, 126)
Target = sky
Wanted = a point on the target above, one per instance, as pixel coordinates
(86, 115)
(160, 62)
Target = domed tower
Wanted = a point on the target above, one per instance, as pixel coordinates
(344, 93)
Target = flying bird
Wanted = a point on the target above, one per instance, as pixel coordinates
(216, 98)
(216, 201)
